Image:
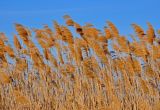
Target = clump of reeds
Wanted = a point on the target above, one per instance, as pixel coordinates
(98, 70)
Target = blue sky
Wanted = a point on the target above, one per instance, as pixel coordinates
(35, 13)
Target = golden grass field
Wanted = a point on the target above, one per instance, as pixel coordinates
(74, 67)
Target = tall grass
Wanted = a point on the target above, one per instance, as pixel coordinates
(99, 70)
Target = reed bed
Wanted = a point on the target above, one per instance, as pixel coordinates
(92, 69)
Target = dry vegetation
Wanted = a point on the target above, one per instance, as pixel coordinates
(95, 70)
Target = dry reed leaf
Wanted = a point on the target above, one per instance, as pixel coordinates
(3, 37)
(155, 52)
(67, 35)
(48, 30)
(149, 71)
(1, 42)
(108, 34)
(69, 21)
(144, 86)
(22, 31)
(21, 64)
(123, 43)
(4, 78)
(137, 66)
(17, 43)
(78, 28)
(150, 33)
(57, 28)
(88, 68)
(138, 30)
(20, 98)
(91, 33)
(138, 49)
(10, 51)
(113, 29)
